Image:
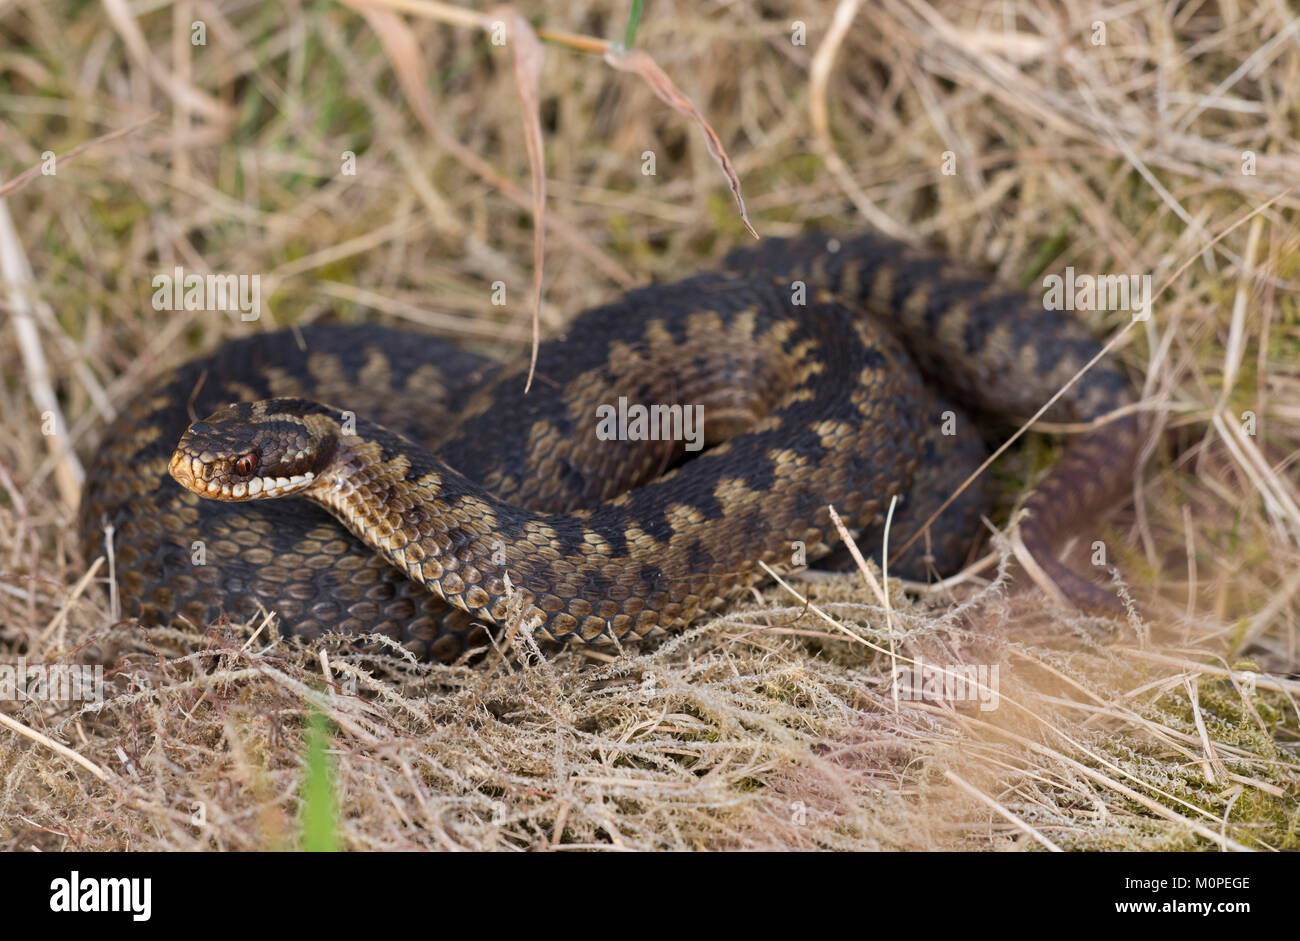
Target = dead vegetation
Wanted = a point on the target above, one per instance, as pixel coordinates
(776, 726)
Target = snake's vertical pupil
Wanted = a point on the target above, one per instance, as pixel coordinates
(246, 464)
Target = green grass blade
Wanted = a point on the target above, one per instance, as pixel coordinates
(633, 21)
(320, 825)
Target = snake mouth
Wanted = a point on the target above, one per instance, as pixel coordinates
(188, 472)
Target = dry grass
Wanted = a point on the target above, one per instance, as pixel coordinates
(772, 727)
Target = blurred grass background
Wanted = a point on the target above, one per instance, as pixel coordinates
(770, 727)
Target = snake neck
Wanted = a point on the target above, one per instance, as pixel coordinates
(441, 528)
(493, 560)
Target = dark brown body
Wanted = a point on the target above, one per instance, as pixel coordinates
(837, 401)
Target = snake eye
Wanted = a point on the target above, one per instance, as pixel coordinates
(245, 465)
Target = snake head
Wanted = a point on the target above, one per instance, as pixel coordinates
(255, 450)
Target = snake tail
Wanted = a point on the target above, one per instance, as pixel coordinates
(996, 351)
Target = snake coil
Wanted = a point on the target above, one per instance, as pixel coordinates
(455, 492)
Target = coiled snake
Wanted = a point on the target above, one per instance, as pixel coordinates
(828, 373)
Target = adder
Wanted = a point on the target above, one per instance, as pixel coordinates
(372, 480)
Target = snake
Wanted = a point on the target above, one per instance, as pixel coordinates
(360, 479)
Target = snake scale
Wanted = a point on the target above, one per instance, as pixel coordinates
(827, 371)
